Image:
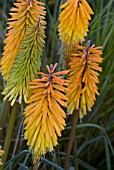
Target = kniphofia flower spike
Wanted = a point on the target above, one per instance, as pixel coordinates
(45, 118)
(24, 15)
(74, 21)
(27, 64)
(83, 76)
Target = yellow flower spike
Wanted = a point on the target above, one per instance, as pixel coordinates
(1, 153)
(44, 114)
(23, 15)
(74, 21)
(83, 77)
(73, 27)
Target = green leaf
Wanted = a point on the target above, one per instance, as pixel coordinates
(108, 162)
(17, 157)
(87, 125)
(87, 143)
(51, 163)
(85, 165)
(23, 167)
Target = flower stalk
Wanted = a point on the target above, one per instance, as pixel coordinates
(74, 122)
(36, 164)
(9, 133)
(4, 116)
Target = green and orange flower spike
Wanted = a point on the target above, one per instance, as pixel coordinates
(27, 64)
(45, 118)
(24, 15)
(83, 77)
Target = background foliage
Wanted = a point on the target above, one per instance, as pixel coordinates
(95, 132)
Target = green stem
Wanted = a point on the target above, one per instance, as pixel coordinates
(9, 133)
(4, 116)
(71, 139)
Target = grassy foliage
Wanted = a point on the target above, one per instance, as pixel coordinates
(95, 132)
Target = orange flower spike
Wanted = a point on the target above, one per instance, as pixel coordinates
(83, 78)
(45, 111)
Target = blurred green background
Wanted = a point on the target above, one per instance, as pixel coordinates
(95, 132)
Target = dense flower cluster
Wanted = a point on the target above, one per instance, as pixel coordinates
(83, 76)
(44, 114)
(74, 21)
(23, 15)
(27, 63)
